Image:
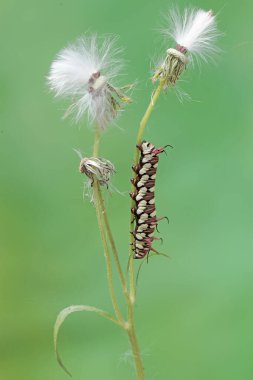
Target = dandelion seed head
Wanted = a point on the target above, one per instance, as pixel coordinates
(83, 72)
(194, 33)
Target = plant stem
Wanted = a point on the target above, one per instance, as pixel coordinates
(143, 124)
(100, 213)
(113, 245)
(106, 251)
(134, 343)
(131, 330)
(106, 221)
(147, 114)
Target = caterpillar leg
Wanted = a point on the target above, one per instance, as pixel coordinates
(149, 241)
(156, 227)
(163, 217)
(159, 219)
(154, 250)
(156, 238)
(166, 147)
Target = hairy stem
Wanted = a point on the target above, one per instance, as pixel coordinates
(104, 227)
(143, 124)
(106, 251)
(134, 343)
(131, 330)
(106, 221)
(113, 245)
(99, 212)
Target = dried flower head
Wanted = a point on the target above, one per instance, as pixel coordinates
(83, 71)
(195, 33)
(98, 168)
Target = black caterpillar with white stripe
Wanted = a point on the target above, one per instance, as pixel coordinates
(144, 196)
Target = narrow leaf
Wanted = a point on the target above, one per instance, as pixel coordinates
(64, 314)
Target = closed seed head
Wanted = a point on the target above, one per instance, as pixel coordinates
(98, 168)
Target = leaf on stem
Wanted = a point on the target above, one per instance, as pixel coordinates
(64, 314)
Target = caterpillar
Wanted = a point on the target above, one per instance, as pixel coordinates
(144, 196)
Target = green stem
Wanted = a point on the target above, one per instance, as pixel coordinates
(106, 221)
(99, 212)
(129, 326)
(113, 245)
(131, 330)
(143, 124)
(106, 251)
(134, 343)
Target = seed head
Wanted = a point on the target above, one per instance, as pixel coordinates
(194, 33)
(98, 168)
(83, 72)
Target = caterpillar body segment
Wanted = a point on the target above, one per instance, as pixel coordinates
(144, 211)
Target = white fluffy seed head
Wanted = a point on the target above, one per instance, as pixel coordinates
(194, 30)
(83, 72)
(73, 67)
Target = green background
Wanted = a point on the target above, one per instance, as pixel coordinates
(194, 312)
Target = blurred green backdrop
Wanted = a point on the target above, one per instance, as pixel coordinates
(194, 312)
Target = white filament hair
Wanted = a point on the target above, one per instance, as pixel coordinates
(71, 70)
(195, 30)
